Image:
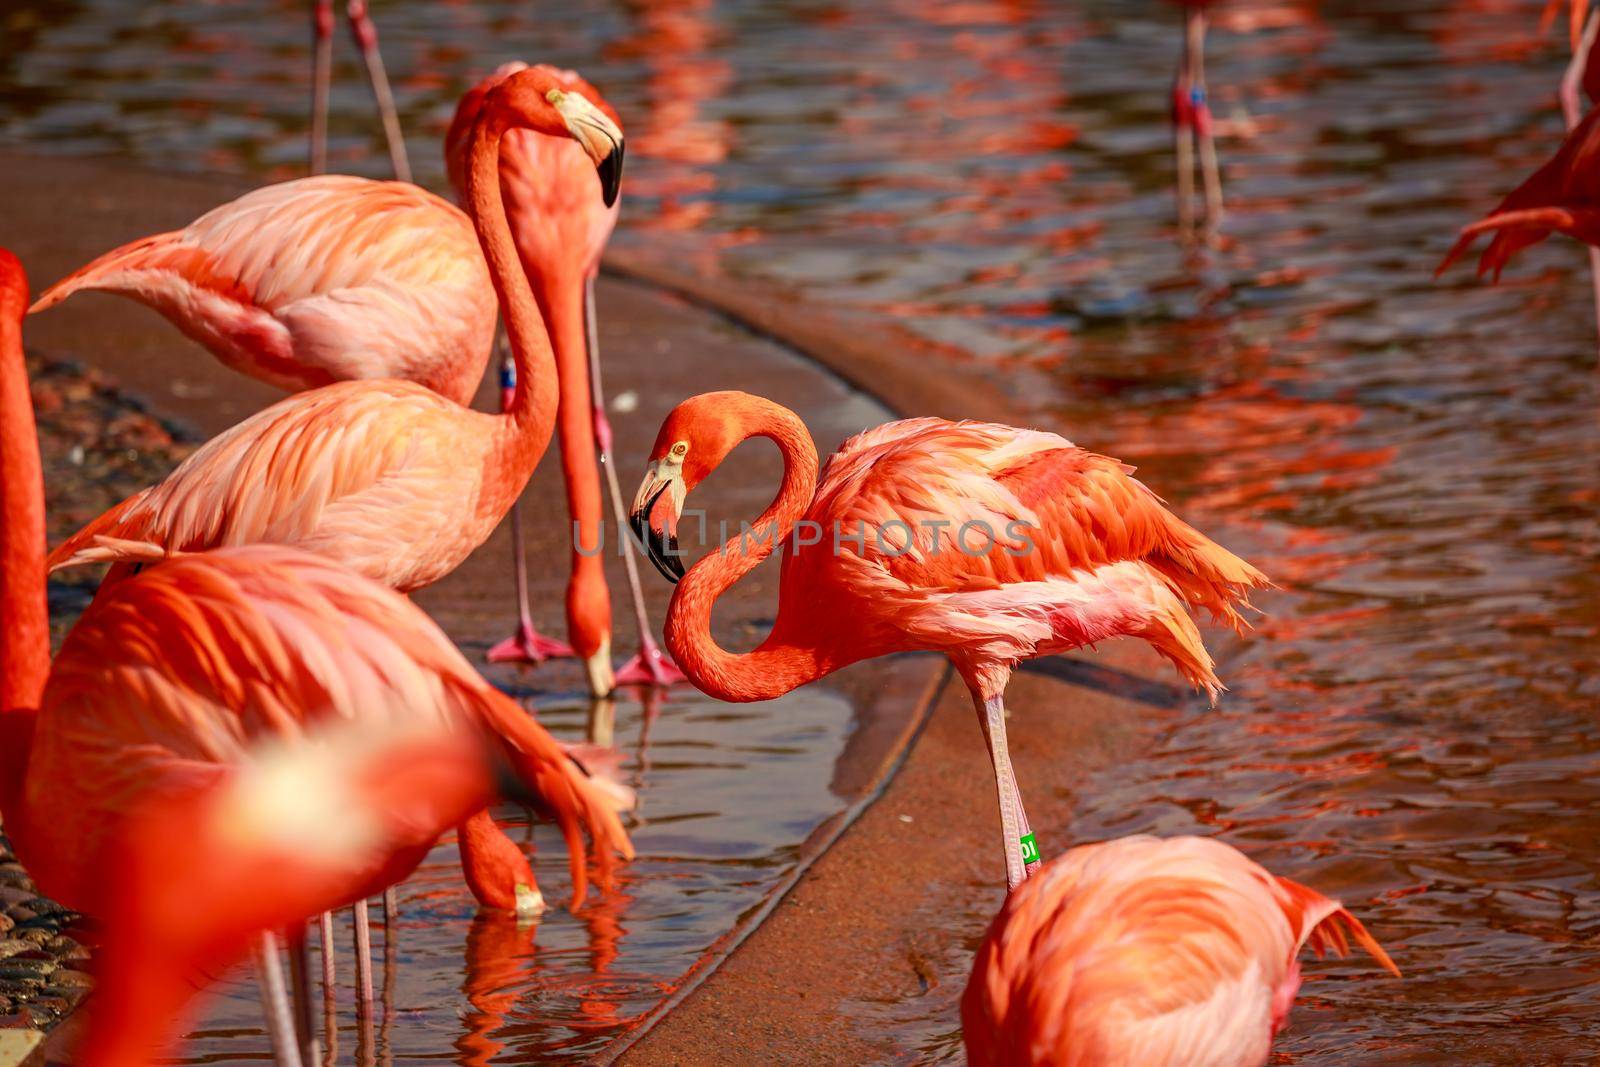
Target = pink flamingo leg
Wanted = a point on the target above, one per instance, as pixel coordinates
(651, 666)
(275, 1002)
(527, 645)
(363, 932)
(300, 989)
(1183, 145)
(1211, 172)
(329, 985)
(321, 71)
(366, 35)
(1021, 851)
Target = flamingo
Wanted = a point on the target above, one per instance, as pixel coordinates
(388, 477)
(181, 672)
(250, 848)
(318, 280)
(1192, 125)
(987, 543)
(366, 38)
(1175, 951)
(560, 232)
(1563, 196)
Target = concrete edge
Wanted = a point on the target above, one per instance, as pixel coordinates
(822, 840)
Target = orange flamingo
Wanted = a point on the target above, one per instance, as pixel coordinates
(560, 232)
(365, 34)
(186, 669)
(986, 543)
(388, 477)
(1147, 951)
(315, 281)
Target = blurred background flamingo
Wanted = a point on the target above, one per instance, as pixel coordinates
(1068, 550)
(1150, 951)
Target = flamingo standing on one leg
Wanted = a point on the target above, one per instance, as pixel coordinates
(309, 282)
(560, 232)
(365, 34)
(182, 671)
(1192, 124)
(1152, 951)
(986, 543)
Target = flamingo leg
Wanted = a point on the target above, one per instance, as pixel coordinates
(527, 645)
(329, 1008)
(602, 724)
(321, 71)
(1210, 171)
(363, 931)
(300, 987)
(1183, 145)
(366, 35)
(1572, 113)
(651, 666)
(1021, 851)
(275, 1002)
(391, 925)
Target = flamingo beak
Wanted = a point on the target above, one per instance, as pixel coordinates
(658, 534)
(599, 137)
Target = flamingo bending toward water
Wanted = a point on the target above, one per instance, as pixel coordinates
(315, 281)
(387, 477)
(179, 674)
(365, 34)
(1043, 548)
(1150, 951)
(560, 232)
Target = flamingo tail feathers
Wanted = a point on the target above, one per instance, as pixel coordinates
(109, 537)
(121, 269)
(1332, 927)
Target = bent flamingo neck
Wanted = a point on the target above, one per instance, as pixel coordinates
(533, 404)
(779, 664)
(25, 650)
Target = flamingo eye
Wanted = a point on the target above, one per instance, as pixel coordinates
(680, 450)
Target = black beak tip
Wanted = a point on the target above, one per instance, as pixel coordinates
(610, 169)
(662, 550)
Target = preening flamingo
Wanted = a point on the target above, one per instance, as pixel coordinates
(560, 231)
(1149, 951)
(316, 281)
(986, 543)
(388, 477)
(192, 665)
(365, 34)
(1192, 125)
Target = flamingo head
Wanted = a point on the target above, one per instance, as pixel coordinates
(694, 440)
(559, 103)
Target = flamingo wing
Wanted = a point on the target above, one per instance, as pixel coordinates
(318, 280)
(360, 471)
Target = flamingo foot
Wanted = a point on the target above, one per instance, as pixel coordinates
(650, 667)
(528, 645)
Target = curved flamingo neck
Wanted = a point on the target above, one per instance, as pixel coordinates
(533, 405)
(779, 663)
(24, 617)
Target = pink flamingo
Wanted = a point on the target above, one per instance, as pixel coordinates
(183, 671)
(366, 38)
(986, 543)
(560, 232)
(316, 281)
(388, 477)
(1147, 951)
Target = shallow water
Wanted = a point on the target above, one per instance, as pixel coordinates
(727, 795)
(1414, 725)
